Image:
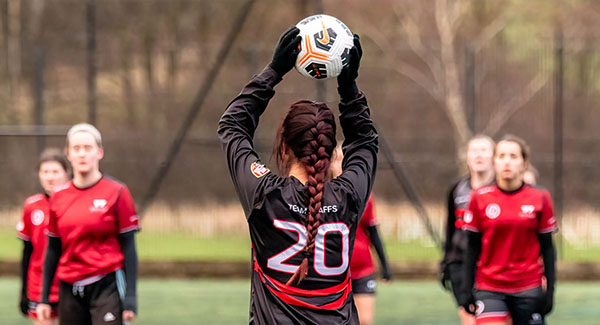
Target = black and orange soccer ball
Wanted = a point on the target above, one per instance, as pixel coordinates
(326, 42)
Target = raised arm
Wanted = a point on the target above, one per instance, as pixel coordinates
(240, 120)
(360, 137)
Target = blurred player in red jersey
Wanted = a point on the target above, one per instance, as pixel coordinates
(362, 268)
(302, 224)
(91, 240)
(53, 171)
(509, 226)
(480, 150)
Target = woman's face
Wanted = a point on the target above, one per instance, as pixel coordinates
(479, 155)
(508, 161)
(52, 174)
(83, 152)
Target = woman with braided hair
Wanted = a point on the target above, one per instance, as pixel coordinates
(302, 224)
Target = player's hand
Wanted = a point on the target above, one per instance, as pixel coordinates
(444, 278)
(467, 301)
(43, 312)
(24, 305)
(386, 275)
(286, 51)
(350, 72)
(549, 301)
(128, 316)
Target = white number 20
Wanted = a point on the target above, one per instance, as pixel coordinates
(277, 262)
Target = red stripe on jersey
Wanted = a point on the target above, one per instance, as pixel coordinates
(459, 222)
(284, 292)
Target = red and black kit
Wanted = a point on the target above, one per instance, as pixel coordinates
(361, 263)
(90, 238)
(32, 230)
(456, 238)
(276, 208)
(508, 231)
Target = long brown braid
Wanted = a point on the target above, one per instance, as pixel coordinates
(308, 130)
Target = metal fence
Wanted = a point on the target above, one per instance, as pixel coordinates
(156, 75)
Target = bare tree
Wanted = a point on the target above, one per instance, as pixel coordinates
(435, 33)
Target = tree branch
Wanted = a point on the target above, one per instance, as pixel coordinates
(414, 37)
(506, 111)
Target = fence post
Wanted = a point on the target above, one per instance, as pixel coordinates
(558, 131)
(39, 87)
(195, 107)
(90, 10)
(470, 87)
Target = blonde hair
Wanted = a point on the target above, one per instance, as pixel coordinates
(85, 127)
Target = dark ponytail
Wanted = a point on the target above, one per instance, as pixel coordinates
(308, 130)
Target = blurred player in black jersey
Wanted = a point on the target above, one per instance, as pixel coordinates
(302, 224)
(480, 150)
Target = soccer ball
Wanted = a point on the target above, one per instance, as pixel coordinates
(325, 45)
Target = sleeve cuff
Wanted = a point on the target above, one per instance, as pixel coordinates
(470, 228)
(128, 229)
(130, 303)
(548, 230)
(52, 234)
(348, 93)
(269, 76)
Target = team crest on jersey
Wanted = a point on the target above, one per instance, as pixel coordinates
(98, 205)
(259, 170)
(527, 208)
(527, 211)
(492, 211)
(468, 217)
(37, 217)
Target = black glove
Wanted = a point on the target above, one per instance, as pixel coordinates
(386, 275)
(350, 72)
(444, 277)
(467, 301)
(286, 51)
(549, 301)
(24, 305)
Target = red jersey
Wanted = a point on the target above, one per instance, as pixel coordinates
(32, 228)
(509, 223)
(361, 263)
(88, 222)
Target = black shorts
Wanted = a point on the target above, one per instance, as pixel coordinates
(96, 303)
(456, 278)
(524, 307)
(365, 285)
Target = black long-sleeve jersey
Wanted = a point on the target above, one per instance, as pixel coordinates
(276, 208)
(456, 238)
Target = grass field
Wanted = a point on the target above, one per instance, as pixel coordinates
(173, 246)
(226, 302)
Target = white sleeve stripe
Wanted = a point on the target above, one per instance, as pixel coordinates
(23, 236)
(128, 229)
(51, 234)
(470, 228)
(547, 230)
